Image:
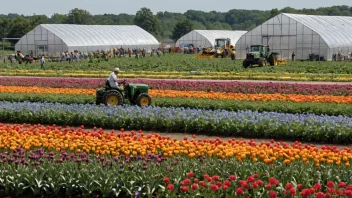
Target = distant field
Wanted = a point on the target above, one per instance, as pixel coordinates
(177, 66)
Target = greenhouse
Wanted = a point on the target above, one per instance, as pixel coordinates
(51, 39)
(309, 37)
(206, 38)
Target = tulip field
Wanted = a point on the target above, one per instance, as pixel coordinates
(56, 142)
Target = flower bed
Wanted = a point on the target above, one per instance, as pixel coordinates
(63, 161)
(331, 109)
(191, 94)
(243, 123)
(186, 85)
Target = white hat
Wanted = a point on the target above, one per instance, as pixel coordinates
(116, 69)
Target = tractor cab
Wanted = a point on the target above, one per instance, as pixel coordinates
(223, 43)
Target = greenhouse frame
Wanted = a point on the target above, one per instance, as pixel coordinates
(206, 38)
(310, 37)
(51, 39)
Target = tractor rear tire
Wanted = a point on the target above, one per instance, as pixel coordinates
(245, 64)
(144, 100)
(113, 99)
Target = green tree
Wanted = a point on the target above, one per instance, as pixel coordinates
(146, 20)
(5, 26)
(78, 16)
(181, 29)
(37, 20)
(20, 26)
(58, 18)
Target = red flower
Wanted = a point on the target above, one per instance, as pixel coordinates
(268, 186)
(305, 193)
(331, 184)
(190, 174)
(312, 190)
(233, 177)
(317, 186)
(202, 183)
(225, 187)
(259, 182)
(209, 179)
(194, 186)
(348, 193)
(349, 187)
(299, 186)
(214, 187)
(340, 192)
(342, 185)
(320, 195)
(187, 181)
(293, 192)
(166, 180)
(218, 183)
(195, 180)
(274, 181)
(250, 179)
(215, 177)
(255, 175)
(227, 183)
(288, 186)
(170, 187)
(239, 191)
(327, 195)
(272, 194)
(184, 188)
(205, 176)
(255, 185)
(331, 190)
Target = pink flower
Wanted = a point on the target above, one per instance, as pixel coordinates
(239, 191)
(233, 177)
(342, 185)
(317, 186)
(319, 195)
(272, 194)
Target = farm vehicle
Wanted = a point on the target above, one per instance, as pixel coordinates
(136, 94)
(260, 55)
(222, 49)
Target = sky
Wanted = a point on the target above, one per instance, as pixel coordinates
(49, 7)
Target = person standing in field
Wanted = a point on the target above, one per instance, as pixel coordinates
(42, 61)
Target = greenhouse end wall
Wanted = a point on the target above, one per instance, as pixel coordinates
(285, 35)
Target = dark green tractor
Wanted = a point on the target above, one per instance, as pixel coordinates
(260, 55)
(137, 94)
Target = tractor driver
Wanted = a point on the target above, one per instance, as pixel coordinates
(113, 78)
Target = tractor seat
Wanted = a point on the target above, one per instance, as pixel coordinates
(107, 84)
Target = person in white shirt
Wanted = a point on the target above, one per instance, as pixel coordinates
(113, 78)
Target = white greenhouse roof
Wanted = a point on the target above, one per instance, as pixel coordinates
(98, 35)
(211, 35)
(335, 30)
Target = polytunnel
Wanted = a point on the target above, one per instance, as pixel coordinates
(308, 36)
(206, 38)
(51, 39)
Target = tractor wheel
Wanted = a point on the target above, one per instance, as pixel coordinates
(113, 99)
(262, 62)
(144, 100)
(245, 64)
(273, 60)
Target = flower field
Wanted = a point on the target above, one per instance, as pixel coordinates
(52, 159)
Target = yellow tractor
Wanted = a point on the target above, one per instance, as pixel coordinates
(222, 49)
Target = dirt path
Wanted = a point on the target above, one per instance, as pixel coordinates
(189, 80)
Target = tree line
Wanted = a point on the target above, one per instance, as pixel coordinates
(163, 25)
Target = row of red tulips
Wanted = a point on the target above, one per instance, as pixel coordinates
(228, 86)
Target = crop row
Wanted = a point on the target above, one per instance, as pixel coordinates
(52, 160)
(191, 94)
(219, 122)
(190, 75)
(187, 85)
(210, 104)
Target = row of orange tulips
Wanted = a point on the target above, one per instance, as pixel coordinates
(138, 143)
(192, 94)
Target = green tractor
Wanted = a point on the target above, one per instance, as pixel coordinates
(137, 94)
(260, 55)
